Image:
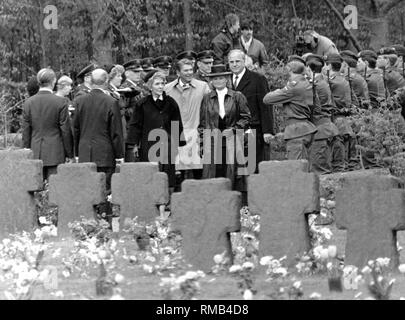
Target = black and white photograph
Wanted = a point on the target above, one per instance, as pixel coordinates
(202, 155)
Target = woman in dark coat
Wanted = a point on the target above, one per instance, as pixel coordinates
(158, 114)
(227, 112)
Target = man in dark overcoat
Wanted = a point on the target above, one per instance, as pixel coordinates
(46, 125)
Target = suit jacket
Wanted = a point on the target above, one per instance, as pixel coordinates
(98, 129)
(254, 87)
(46, 128)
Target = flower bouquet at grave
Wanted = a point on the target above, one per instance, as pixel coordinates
(377, 276)
(89, 228)
(140, 231)
(244, 275)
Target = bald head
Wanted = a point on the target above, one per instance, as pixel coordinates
(99, 78)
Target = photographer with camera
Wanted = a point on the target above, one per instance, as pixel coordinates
(319, 45)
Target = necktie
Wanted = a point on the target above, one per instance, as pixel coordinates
(235, 83)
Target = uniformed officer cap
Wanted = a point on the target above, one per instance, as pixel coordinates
(147, 64)
(296, 58)
(85, 71)
(334, 58)
(149, 75)
(163, 61)
(315, 58)
(368, 55)
(191, 55)
(387, 50)
(350, 58)
(134, 65)
(400, 49)
(206, 54)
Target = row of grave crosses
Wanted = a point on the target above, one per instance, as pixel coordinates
(369, 206)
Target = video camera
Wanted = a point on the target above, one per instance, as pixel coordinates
(300, 47)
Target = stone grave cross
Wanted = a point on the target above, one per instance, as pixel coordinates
(20, 176)
(283, 193)
(76, 189)
(206, 212)
(371, 208)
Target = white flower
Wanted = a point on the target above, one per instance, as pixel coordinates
(332, 252)
(119, 278)
(281, 271)
(317, 252)
(248, 265)
(56, 253)
(366, 270)
(324, 212)
(147, 268)
(265, 260)
(297, 285)
(326, 233)
(150, 259)
(43, 220)
(331, 204)
(6, 242)
(323, 202)
(219, 258)
(401, 268)
(235, 268)
(383, 262)
(315, 296)
(324, 254)
(59, 294)
(66, 273)
(329, 266)
(248, 295)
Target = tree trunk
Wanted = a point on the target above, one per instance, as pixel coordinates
(187, 23)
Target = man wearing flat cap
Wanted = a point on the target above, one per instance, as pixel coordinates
(386, 61)
(318, 44)
(342, 98)
(321, 149)
(357, 83)
(85, 77)
(205, 61)
(367, 66)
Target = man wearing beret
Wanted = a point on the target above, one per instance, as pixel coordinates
(321, 149)
(367, 66)
(357, 83)
(318, 44)
(253, 47)
(341, 95)
(188, 93)
(85, 77)
(227, 39)
(205, 61)
(297, 99)
(386, 61)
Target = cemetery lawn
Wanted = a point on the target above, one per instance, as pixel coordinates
(139, 285)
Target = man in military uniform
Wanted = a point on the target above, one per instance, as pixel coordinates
(343, 150)
(360, 95)
(205, 61)
(318, 44)
(386, 61)
(147, 66)
(297, 99)
(164, 64)
(227, 39)
(321, 149)
(85, 77)
(367, 66)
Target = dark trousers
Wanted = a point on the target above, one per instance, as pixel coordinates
(105, 208)
(48, 171)
(320, 156)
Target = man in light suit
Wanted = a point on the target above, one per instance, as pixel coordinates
(254, 86)
(46, 125)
